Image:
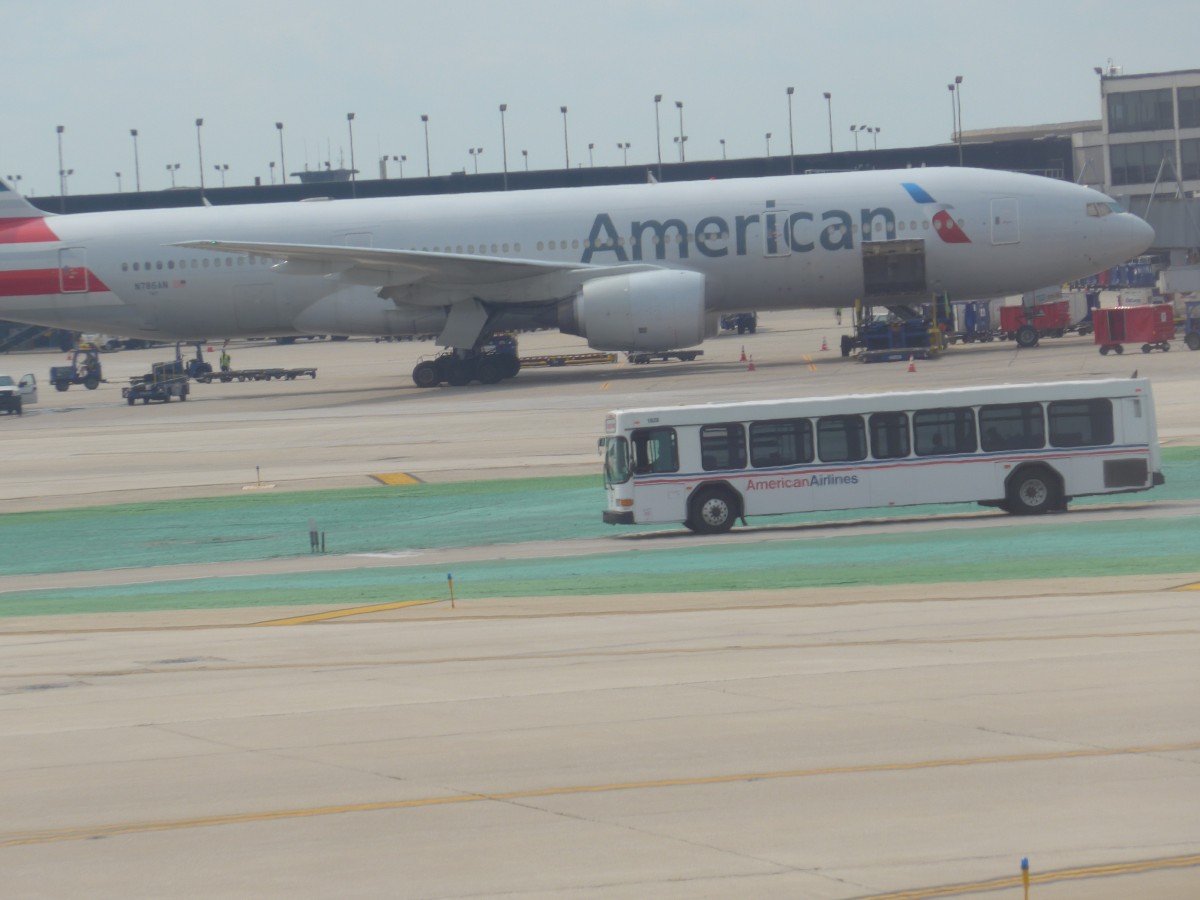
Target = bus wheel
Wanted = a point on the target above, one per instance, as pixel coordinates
(712, 511)
(1032, 492)
(1192, 340)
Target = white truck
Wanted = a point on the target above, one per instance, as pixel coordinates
(15, 394)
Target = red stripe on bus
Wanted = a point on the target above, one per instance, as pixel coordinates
(25, 231)
(37, 282)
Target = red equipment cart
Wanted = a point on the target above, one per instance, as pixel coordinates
(1044, 320)
(1151, 326)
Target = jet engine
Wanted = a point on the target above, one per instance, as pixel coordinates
(660, 310)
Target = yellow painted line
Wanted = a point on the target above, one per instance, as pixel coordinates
(97, 831)
(1194, 586)
(396, 478)
(341, 613)
(1135, 867)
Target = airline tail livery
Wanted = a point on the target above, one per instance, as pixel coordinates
(646, 267)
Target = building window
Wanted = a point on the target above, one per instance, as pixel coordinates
(1140, 111)
(1189, 153)
(1189, 107)
(1138, 163)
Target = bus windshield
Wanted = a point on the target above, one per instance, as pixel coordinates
(616, 460)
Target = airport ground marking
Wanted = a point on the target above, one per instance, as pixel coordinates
(394, 479)
(17, 839)
(1133, 867)
(342, 613)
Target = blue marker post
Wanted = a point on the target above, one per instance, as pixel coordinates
(1025, 874)
(450, 581)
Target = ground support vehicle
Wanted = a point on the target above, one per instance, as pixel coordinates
(1152, 326)
(574, 359)
(15, 394)
(642, 357)
(255, 375)
(973, 322)
(84, 369)
(164, 381)
(900, 334)
(1029, 324)
(740, 322)
(1191, 325)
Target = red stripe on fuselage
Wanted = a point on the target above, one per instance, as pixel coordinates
(38, 282)
(25, 231)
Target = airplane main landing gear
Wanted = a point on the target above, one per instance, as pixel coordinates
(461, 367)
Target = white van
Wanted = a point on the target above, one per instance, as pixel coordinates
(15, 394)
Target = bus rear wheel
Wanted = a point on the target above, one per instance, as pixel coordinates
(712, 510)
(1033, 491)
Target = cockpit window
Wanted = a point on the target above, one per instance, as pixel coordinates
(1099, 210)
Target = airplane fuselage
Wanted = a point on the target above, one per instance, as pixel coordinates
(760, 244)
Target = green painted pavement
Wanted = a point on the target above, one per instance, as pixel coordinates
(265, 526)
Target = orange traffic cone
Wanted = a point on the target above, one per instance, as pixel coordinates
(743, 353)
(750, 367)
(912, 363)
(824, 346)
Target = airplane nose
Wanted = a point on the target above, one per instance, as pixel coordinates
(1140, 235)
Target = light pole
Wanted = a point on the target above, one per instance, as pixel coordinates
(62, 178)
(682, 155)
(566, 146)
(222, 168)
(353, 171)
(504, 143)
(679, 141)
(200, 153)
(282, 164)
(958, 102)
(953, 116)
(657, 134)
(475, 154)
(591, 156)
(118, 174)
(768, 145)
(829, 107)
(271, 166)
(875, 138)
(791, 139)
(137, 169)
(723, 156)
(425, 122)
(854, 131)
(402, 160)
(624, 148)
(172, 168)
(525, 154)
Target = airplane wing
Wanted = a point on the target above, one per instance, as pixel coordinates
(398, 268)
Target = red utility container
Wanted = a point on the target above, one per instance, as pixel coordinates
(1151, 326)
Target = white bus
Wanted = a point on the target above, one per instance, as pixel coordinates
(1025, 448)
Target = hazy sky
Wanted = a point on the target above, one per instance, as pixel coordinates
(102, 68)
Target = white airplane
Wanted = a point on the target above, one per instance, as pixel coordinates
(646, 267)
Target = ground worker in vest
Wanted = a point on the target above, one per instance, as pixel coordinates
(224, 360)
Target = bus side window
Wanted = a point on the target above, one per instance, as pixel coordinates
(1081, 423)
(722, 447)
(781, 442)
(1012, 426)
(654, 451)
(939, 432)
